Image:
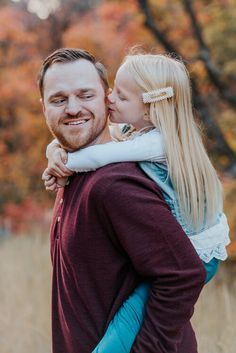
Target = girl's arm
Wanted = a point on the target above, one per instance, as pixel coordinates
(145, 147)
(57, 158)
(56, 173)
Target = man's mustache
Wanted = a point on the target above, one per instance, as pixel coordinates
(77, 116)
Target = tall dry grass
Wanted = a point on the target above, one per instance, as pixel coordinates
(215, 313)
(25, 273)
(25, 295)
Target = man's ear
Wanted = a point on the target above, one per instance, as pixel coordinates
(43, 106)
(107, 94)
(109, 91)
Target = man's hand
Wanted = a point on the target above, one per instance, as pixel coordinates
(57, 158)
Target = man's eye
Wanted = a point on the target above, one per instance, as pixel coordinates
(87, 96)
(58, 101)
(122, 98)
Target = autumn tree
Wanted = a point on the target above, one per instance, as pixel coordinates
(200, 54)
(194, 30)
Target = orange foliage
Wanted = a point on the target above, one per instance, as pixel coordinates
(108, 31)
(26, 217)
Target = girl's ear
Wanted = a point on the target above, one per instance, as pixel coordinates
(146, 114)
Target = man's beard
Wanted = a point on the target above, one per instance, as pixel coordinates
(77, 143)
(62, 141)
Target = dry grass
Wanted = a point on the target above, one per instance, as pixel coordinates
(25, 295)
(214, 318)
(25, 301)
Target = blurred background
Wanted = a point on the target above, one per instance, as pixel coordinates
(203, 33)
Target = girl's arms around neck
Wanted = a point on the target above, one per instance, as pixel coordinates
(146, 147)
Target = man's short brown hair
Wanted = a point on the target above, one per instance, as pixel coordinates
(66, 55)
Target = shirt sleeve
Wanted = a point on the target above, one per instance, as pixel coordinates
(159, 251)
(145, 147)
(52, 143)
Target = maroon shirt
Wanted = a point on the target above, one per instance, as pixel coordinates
(111, 229)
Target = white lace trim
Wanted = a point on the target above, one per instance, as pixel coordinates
(212, 242)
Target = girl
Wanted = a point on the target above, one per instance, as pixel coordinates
(152, 92)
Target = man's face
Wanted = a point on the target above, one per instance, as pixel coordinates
(74, 103)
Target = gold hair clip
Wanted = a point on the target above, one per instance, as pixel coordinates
(157, 95)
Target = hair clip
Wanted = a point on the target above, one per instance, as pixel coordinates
(157, 95)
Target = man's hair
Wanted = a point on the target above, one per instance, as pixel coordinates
(67, 55)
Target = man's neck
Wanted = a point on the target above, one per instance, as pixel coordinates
(104, 137)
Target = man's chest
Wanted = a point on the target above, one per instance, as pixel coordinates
(81, 237)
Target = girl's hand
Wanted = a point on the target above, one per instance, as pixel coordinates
(57, 158)
(61, 182)
(50, 182)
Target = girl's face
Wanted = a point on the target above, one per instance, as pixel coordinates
(125, 102)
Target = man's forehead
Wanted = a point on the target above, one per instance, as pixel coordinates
(78, 74)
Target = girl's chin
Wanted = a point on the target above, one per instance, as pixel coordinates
(116, 120)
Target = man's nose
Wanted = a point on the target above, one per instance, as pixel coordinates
(73, 106)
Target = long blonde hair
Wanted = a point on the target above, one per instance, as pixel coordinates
(193, 176)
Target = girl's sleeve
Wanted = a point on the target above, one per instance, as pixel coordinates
(53, 143)
(146, 147)
(124, 327)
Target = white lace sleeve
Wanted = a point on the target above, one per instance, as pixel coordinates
(212, 242)
(145, 147)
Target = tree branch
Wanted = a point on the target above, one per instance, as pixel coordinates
(212, 127)
(205, 56)
(150, 24)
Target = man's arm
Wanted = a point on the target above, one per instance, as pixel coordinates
(159, 251)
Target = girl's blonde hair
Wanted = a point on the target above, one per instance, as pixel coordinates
(193, 176)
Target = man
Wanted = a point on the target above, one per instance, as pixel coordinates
(111, 228)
